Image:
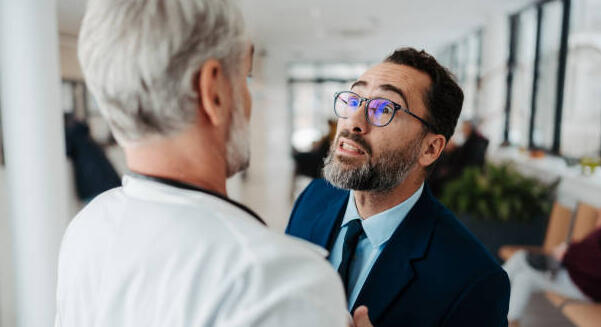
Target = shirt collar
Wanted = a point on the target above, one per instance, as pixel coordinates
(143, 188)
(380, 227)
(190, 187)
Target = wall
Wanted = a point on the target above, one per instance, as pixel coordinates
(68, 58)
(267, 185)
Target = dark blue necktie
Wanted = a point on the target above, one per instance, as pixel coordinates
(351, 238)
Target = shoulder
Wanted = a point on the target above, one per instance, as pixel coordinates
(214, 230)
(317, 197)
(98, 213)
(454, 248)
(476, 284)
(286, 276)
(283, 279)
(464, 245)
(485, 302)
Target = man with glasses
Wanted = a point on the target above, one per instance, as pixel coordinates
(397, 249)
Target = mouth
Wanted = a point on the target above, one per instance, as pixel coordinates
(349, 148)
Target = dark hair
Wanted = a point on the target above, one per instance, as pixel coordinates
(444, 98)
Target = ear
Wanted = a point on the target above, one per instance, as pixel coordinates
(433, 145)
(215, 92)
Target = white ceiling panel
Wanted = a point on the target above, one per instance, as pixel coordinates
(349, 30)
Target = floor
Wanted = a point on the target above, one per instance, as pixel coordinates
(541, 313)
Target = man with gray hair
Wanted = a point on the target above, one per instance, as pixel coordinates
(168, 248)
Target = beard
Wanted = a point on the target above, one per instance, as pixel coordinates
(238, 141)
(378, 174)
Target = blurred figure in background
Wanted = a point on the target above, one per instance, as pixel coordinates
(310, 163)
(94, 173)
(466, 149)
(169, 248)
(572, 270)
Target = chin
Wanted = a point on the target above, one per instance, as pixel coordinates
(233, 169)
(348, 161)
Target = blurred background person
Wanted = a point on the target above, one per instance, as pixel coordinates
(94, 173)
(467, 148)
(310, 163)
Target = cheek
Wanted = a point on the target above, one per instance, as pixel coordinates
(391, 141)
(380, 143)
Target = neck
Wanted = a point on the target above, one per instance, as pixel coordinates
(186, 158)
(370, 203)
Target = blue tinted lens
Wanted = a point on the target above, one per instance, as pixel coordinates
(353, 101)
(380, 111)
(346, 103)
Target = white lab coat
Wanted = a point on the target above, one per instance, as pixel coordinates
(148, 254)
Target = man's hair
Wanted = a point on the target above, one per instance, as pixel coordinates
(141, 59)
(443, 99)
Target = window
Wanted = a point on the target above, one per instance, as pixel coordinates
(536, 75)
(470, 77)
(463, 59)
(548, 65)
(523, 73)
(581, 119)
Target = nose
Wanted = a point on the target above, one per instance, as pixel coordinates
(356, 122)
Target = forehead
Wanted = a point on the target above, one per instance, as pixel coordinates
(404, 77)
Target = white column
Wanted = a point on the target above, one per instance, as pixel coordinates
(35, 152)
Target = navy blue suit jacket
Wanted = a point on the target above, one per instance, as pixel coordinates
(432, 272)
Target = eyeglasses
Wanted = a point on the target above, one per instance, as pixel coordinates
(378, 111)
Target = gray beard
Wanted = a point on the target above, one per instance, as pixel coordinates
(380, 174)
(238, 142)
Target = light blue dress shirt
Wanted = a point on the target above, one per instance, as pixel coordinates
(378, 230)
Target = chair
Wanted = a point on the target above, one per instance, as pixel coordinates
(557, 232)
(565, 226)
(586, 221)
(583, 314)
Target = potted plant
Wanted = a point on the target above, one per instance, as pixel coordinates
(500, 205)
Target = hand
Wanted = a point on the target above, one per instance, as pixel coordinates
(360, 317)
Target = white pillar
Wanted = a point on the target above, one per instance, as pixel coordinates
(35, 152)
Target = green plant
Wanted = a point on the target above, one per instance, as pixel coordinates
(498, 192)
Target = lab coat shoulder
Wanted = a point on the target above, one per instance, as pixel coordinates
(235, 271)
(284, 282)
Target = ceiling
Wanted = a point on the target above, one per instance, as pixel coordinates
(349, 30)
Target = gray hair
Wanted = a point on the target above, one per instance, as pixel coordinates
(141, 58)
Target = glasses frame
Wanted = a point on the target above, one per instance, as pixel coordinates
(397, 107)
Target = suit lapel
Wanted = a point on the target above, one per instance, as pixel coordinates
(325, 223)
(393, 269)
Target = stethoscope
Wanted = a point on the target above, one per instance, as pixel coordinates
(189, 187)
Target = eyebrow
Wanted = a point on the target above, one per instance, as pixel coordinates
(385, 87)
